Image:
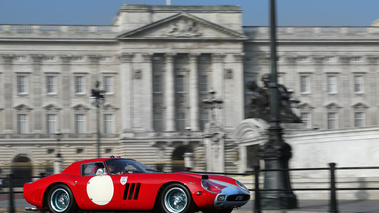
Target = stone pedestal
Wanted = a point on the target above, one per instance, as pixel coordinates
(214, 147)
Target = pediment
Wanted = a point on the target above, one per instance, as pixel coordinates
(52, 107)
(183, 26)
(333, 106)
(110, 107)
(23, 107)
(305, 106)
(80, 107)
(360, 106)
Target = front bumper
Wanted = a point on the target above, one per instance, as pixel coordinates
(231, 198)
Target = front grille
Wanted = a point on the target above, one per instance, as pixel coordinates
(238, 197)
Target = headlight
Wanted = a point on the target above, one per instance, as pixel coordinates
(241, 185)
(210, 187)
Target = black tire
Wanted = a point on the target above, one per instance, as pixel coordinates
(175, 198)
(61, 200)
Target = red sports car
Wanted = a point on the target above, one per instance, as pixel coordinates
(120, 184)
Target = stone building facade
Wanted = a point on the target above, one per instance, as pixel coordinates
(156, 65)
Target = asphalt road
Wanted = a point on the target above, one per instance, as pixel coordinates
(304, 206)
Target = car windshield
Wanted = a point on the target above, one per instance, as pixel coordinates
(127, 166)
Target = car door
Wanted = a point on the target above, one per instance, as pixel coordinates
(97, 189)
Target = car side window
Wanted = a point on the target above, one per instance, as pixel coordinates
(90, 169)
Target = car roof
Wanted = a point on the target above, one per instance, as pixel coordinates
(74, 168)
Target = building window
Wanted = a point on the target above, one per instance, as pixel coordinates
(306, 119)
(330, 58)
(359, 119)
(157, 122)
(51, 85)
(304, 84)
(332, 84)
(302, 58)
(20, 58)
(358, 84)
(77, 58)
(108, 123)
(204, 119)
(108, 84)
(332, 120)
(203, 83)
(51, 123)
(21, 85)
(157, 83)
(22, 123)
(179, 84)
(80, 123)
(79, 84)
(181, 122)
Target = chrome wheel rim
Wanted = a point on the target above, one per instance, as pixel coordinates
(175, 200)
(60, 200)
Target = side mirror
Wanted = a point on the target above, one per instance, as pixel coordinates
(100, 172)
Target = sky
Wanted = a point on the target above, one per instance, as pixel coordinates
(255, 12)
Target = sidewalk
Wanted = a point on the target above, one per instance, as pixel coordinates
(304, 206)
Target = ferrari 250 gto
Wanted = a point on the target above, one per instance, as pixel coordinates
(120, 184)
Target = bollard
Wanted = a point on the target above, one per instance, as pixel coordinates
(257, 201)
(333, 190)
(11, 196)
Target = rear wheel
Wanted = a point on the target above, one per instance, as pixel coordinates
(61, 200)
(175, 198)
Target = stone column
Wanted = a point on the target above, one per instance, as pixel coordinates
(126, 92)
(170, 93)
(37, 90)
(343, 88)
(316, 89)
(8, 89)
(234, 81)
(194, 93)
(147, 70)
(218, 80)
(65, 95)
(370, 84)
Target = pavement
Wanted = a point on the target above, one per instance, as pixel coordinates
(304, 206)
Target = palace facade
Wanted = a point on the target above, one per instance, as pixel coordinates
(156, 65)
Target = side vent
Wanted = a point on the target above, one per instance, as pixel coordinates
(130, 190)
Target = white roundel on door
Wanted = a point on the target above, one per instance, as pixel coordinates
(100, 189)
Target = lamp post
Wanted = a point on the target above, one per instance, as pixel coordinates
(276, 152)
(58, 159)
(97, 99)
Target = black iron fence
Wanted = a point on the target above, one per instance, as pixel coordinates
(257, 208)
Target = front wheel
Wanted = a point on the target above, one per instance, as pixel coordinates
(175, 198)
(61, 200)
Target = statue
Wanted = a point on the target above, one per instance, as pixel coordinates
(260, 103)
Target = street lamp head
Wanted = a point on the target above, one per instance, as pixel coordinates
(92, 99)
(58, 134)
(101, 100)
